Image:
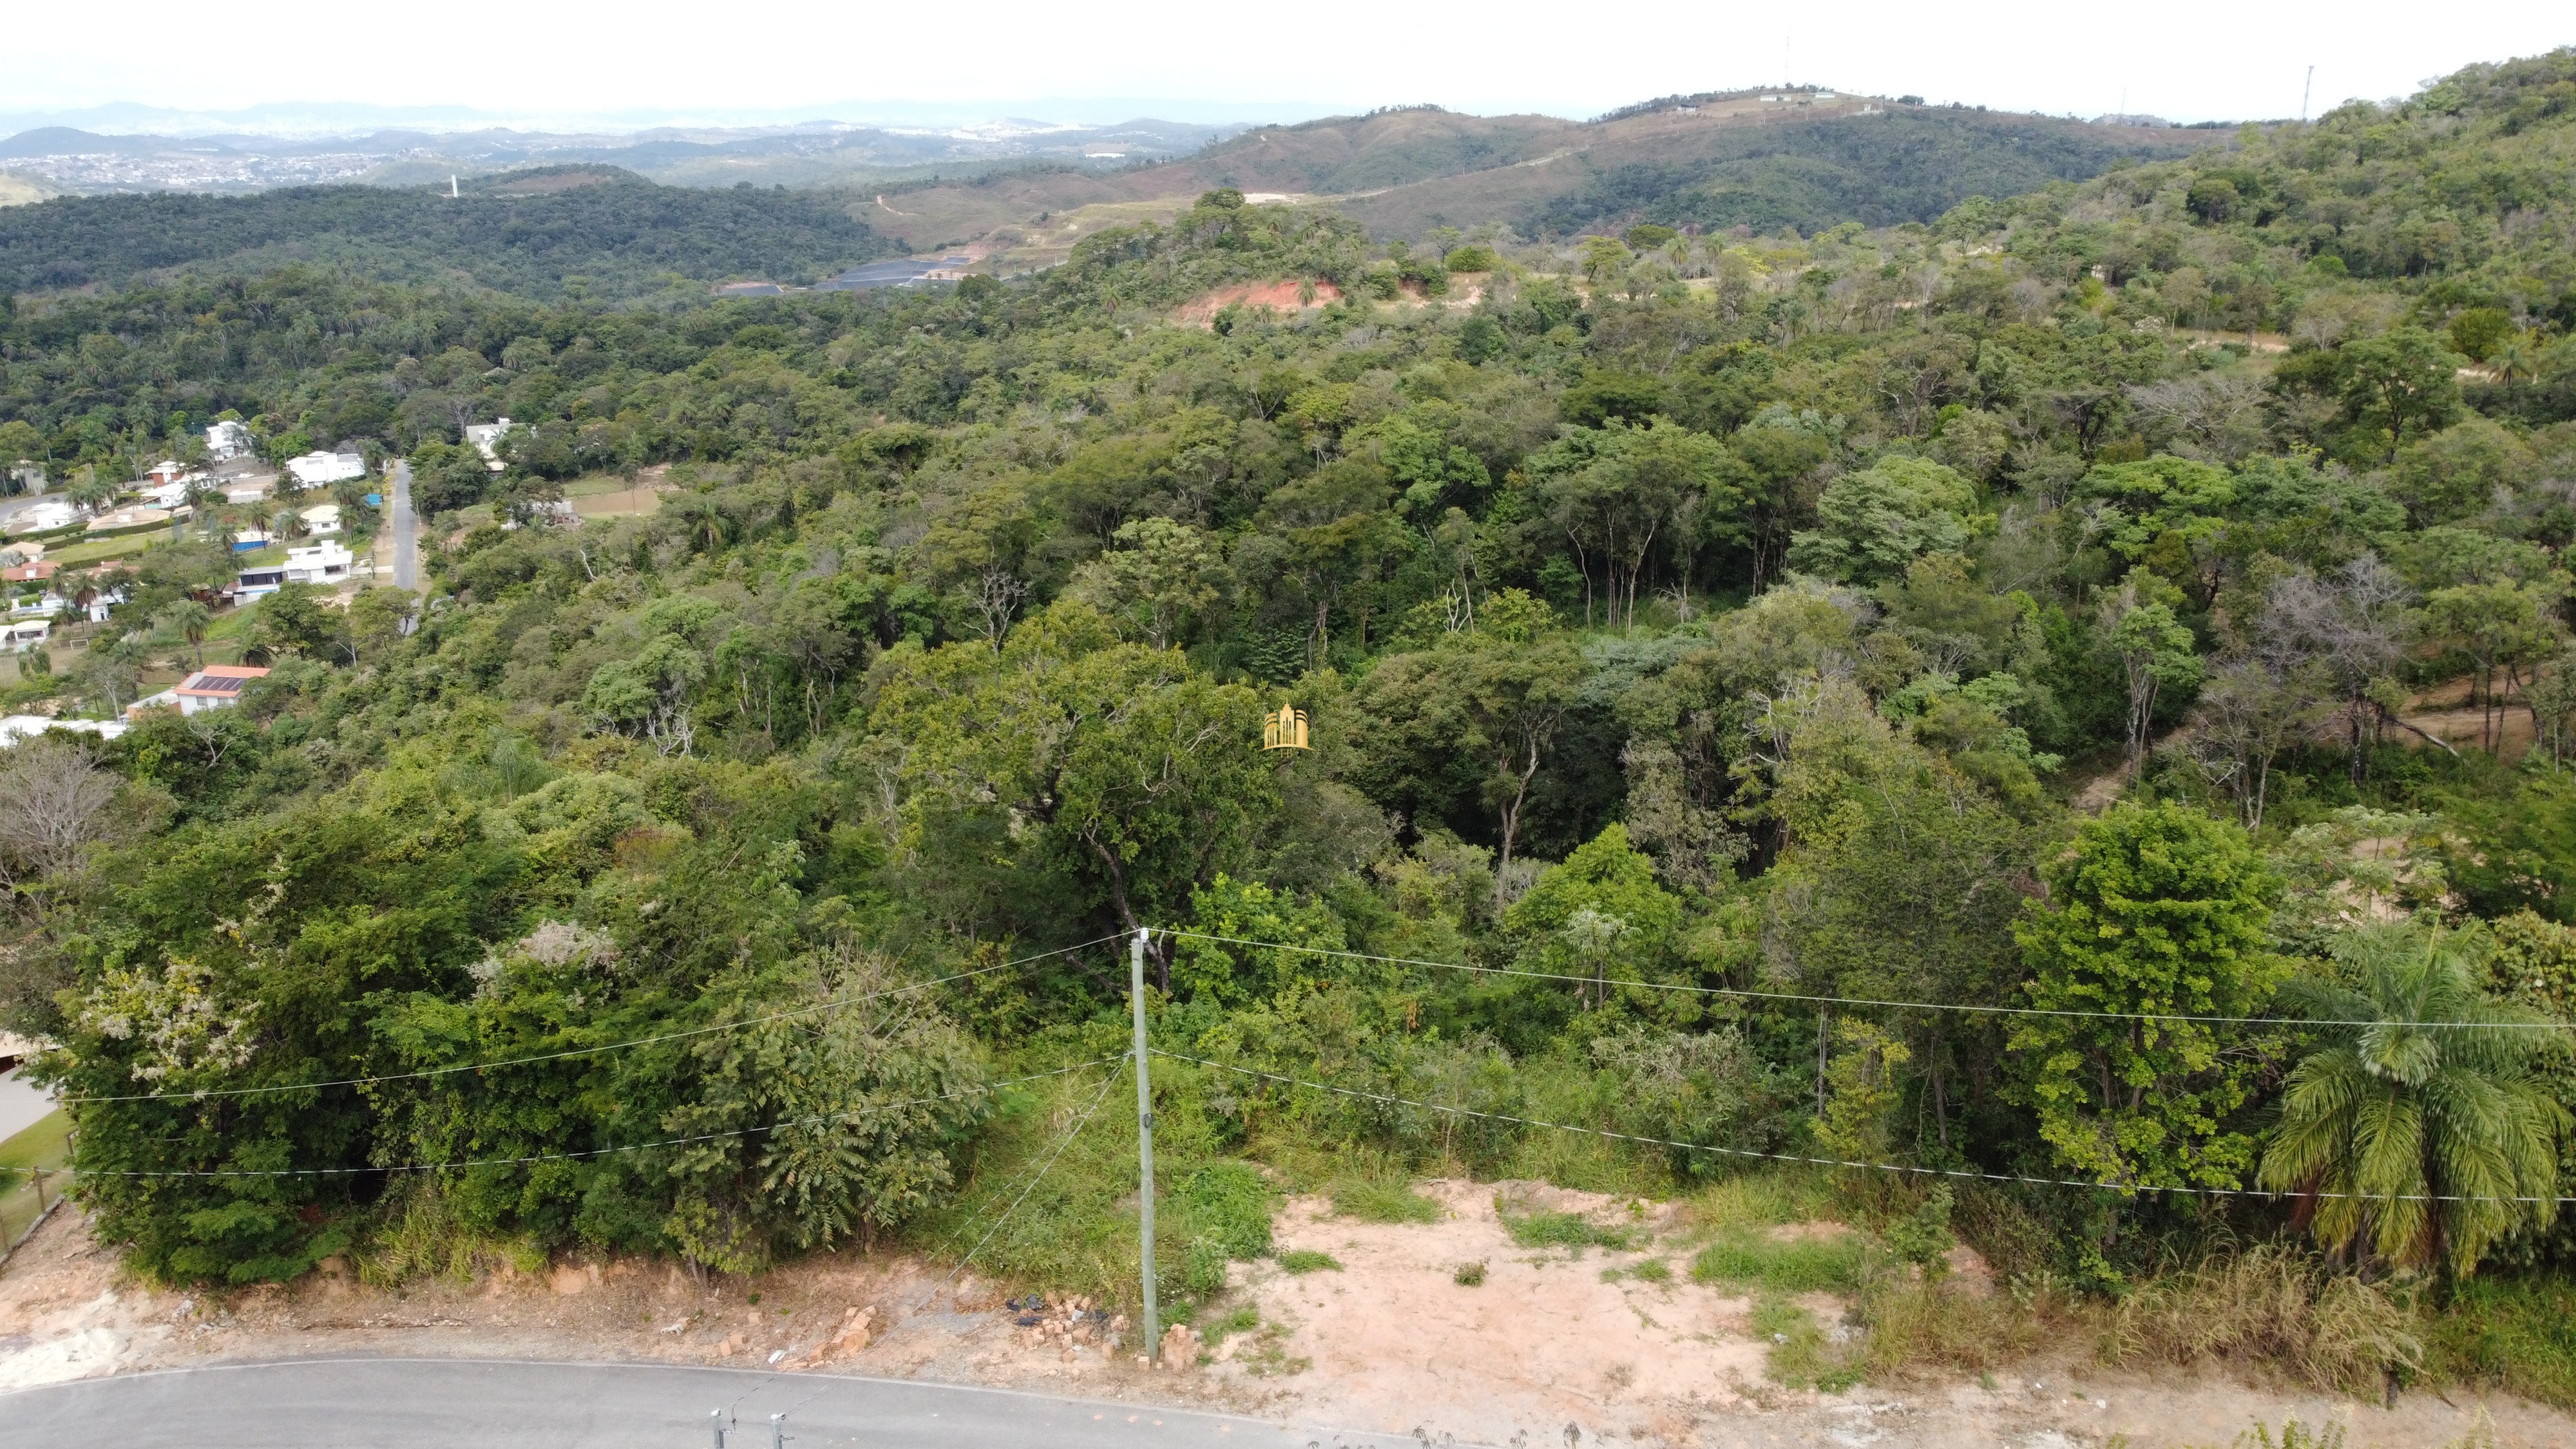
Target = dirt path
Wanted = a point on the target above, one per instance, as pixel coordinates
(1390, 1343)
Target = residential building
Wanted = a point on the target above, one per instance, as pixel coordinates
(313, 470)
(168, 470)
(33, 571)
(325, 565)
(486, 438)
(322, 519)
(47, 515)
(227, 440)
(217, 686)
(20, 635)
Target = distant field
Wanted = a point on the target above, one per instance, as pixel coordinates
(17, 190)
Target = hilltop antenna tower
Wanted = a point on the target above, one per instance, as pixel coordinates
(2305, 90)
(451, 186)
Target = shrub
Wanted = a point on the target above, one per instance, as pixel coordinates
(1230, 1202)
(1469, 1275)
(2276, 1306)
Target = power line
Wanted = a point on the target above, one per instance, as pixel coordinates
(589, 1050)
(591, 1152)
(1860, 1001)
(1897, 1167)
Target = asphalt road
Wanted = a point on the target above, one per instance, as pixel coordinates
(489, 1404)
(405, 528)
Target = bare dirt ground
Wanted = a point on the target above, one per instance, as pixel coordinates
(1544, 1352)
(1280, 296)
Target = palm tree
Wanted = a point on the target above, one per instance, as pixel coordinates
(2420, 1134)
(188, 619)
(94, 491)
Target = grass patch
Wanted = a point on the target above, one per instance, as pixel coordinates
(1469, 1275)
(1383, 1200)
(1268, 1356)
(1564, 1230)
(44, 1143)
(1239, 1320)
(2278, 1305)
(1307, 1260)
(1916, 1324)
(1836, 1264)
(2515, 1331)
(1767, 1198)
(1801, 1353)
(1653, 1270)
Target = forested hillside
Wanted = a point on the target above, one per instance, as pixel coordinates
(1878, 166)
(1713, 161)
(2060, 714)
(572, 232)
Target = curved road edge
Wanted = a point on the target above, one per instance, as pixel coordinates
(435, 1403)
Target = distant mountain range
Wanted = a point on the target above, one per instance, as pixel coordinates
(328, 119)
(66, 158)
(1021, 192)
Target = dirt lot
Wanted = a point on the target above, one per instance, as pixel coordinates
(1543, 1352)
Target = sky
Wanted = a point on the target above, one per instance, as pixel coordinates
(2186, 60)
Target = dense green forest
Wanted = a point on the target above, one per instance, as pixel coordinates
(553, 233)
(2032, 624)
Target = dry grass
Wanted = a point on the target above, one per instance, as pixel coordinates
(2274, 1308)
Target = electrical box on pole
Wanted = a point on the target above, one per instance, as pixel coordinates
(1144, 1143)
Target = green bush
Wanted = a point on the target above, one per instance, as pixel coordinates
(1230, 1203)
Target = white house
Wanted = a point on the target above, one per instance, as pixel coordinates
(20, 635)
(227, 440)
(217, 686)
(325, 564)
(322, 519)
(48, 514)
(486, 438)
(316, 469)
(170, 494)
(96, 609)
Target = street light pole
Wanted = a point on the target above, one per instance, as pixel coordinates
(1144, 1140)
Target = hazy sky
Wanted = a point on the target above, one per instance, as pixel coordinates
(2186, 59)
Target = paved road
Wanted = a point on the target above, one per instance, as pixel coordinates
(405, 528)
(23, 1104)
(487, 1404)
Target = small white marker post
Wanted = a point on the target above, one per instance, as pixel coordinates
(1144, 1140)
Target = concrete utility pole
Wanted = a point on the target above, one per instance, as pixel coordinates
(2306, 90)
(715, 1420)
(1144, 1141)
